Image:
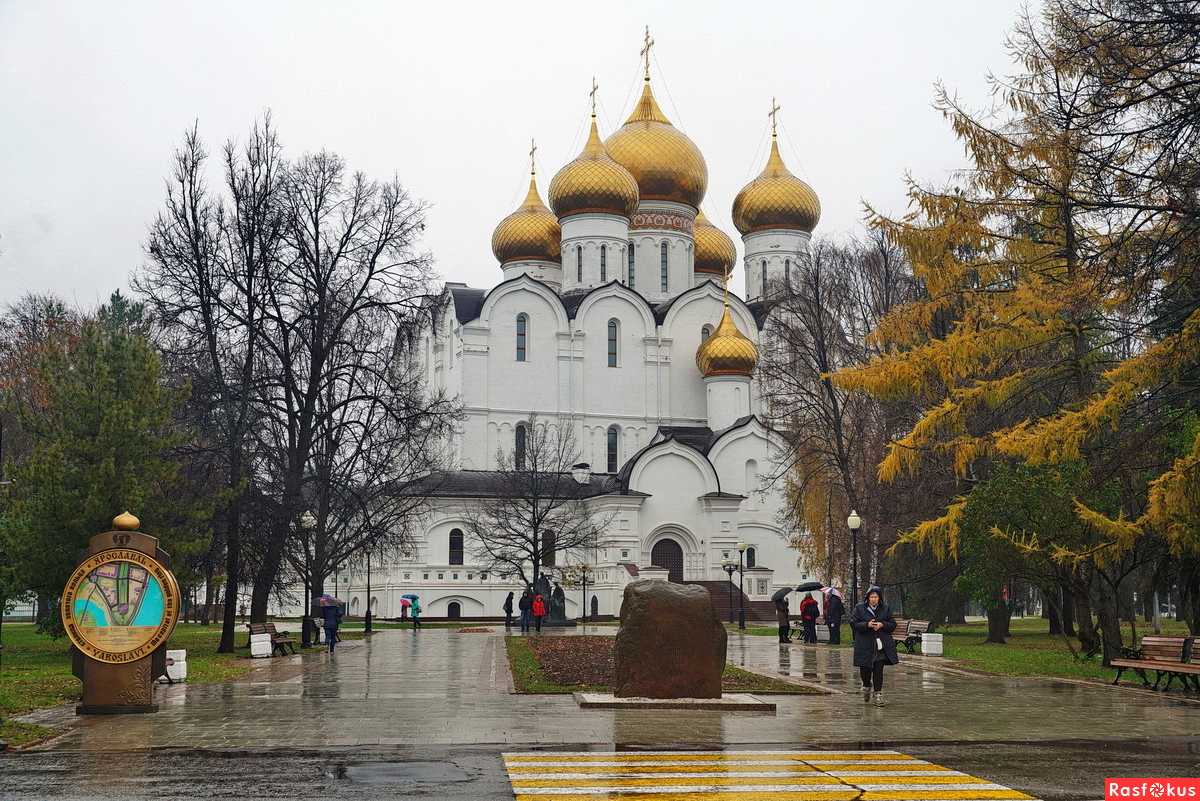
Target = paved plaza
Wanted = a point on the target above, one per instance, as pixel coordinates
(429, 715)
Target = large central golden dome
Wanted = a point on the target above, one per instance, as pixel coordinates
(664, 162)
(776, 199)
(715, 252)
(593, 182)
(531, 233)
(727, 351)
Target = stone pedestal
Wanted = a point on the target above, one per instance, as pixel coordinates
(671, 643)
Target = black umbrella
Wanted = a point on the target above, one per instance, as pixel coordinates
(809, 586)
(780, 594)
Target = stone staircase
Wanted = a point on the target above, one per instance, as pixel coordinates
(762, 611)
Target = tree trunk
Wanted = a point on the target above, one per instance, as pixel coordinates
(268, 570)
(233, 574)
(1088, 639)
(957, 615)
(1050, 610)
(998, 614)
(1110, 627)
(206, 612)
(1068, 609)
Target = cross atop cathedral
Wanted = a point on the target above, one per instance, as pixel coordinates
(595, 86)
(649, 43)
(774, 114)
(532, 155)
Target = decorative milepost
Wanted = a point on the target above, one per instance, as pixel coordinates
(119, 609)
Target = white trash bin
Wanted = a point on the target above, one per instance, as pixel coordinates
(176, 665)
(260, 645)
(931, 644)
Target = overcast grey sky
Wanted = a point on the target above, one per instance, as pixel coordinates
(94, 97)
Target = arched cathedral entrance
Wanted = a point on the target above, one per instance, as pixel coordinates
(667, 553)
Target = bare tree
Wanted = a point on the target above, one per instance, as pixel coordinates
(537, 508)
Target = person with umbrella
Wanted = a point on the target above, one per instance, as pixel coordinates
(416, 613)
(809, 612)
(874, 647)
(331, 616)
(781, 614)
(834, 609)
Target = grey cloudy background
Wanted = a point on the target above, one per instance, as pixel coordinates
(94, 96)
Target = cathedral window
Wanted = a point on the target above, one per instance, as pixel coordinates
(456, 546)
(764, 278)
(614, 437)
(579, 263)
(751, 557)
(613, 328)
(549, 547)
(522, 335)
(705, 333)
(631, 264)
(519, 437)
(787, 274)
(662, 266)
(603, 264)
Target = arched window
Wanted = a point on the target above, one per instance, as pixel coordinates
(613, 328)
(705, 332)
(614, 438)
(454, 610)
(603, 264)
(787, 274)
(764, 278)
(579, 263)
(522, 335)
(751, 557)
(662, 267)
(519, 437)
(631, 263)
(549, 548)
(456, 546)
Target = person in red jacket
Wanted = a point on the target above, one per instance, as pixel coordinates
(539, 611)
(809, 612)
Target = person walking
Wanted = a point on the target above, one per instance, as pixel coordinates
(525, 605)
(539, 611)
(331, 616)
(416, 614)
(833, 616)
(873, 624)
(508, 609)
(809, 612)
(781, 615)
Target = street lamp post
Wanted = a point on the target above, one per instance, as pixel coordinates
(729, 567)
(308, 522)
(854, 523)
(741, 586)
(583, 575)
(367, 616)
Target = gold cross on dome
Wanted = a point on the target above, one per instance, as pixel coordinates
(649, 43)
(595, 86)
(532, 154)
(774, 114)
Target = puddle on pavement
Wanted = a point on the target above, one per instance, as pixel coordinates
(401, 772)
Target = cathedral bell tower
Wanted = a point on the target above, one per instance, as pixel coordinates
(726, 360)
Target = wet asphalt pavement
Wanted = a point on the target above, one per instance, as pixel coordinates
(1054, 771)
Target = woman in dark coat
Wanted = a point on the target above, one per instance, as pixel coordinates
(508, 610)
(526, 607)
(873, 624)
(781, 616)
(833, 616)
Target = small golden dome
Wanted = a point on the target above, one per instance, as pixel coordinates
(531, 233)
(727, 351)
(664, 162)
(126, 522)
(776, 199)
(593, 182)
(715, 252)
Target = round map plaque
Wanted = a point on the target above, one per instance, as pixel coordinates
(119, 605)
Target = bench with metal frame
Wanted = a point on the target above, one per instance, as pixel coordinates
(908, 632)
(1168, 657)
(281, 641)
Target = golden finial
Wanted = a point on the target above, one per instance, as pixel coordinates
(532, 156)
(774, 114)
(646, 51)
(595, 86)
(126, 522)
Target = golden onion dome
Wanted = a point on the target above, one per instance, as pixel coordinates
(715, 252)
(776, 199)
(531, 233)
(727, 351)
(664, 162)
(593, 182)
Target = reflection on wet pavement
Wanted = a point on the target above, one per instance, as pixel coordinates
(438, 686)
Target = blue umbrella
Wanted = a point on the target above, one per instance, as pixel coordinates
(410, 596)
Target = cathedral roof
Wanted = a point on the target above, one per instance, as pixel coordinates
(727, 351)
(531, 233)
(593, 182)
(776, 199)
(715, 252)
(467, 301)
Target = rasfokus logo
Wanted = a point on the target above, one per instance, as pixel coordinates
(1151, 789)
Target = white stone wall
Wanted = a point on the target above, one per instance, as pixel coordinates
(583, 236)
(775, 250)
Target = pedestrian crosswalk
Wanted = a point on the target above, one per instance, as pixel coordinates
(742, 775)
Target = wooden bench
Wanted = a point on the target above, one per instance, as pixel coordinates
(280, 640)
(1168, 657)
(908, 632)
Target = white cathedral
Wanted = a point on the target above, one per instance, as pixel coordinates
(612, 318)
